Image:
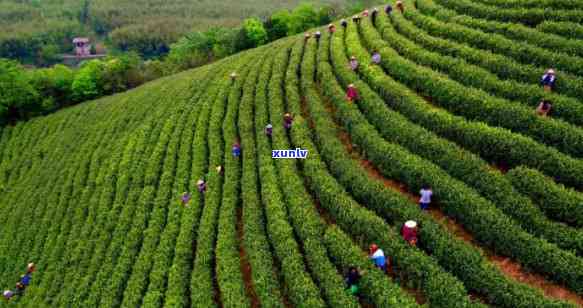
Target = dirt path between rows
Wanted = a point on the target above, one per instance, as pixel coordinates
(508, 267)
(244, 263)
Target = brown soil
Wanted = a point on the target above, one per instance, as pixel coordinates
(550, 289)
(417, 294)
(510, 268)
(244, 263)
(500, 166)
(323, 214)
(350, 147)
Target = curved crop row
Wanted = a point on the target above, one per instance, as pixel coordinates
(440, 288)
(37, 202)
(255, 239)
(477, 104)
(569, 109)
(163, 255)
(558, 202)
(55, 250)
(149, 216)
(528, 16)
(301, 288)
(454, 255)
(99, 207)
(114, 274)
(307, 224)
(521, 52)
(132, 280)
(501, 65)
(466, 167)
(459, 201)
(478, 174)
(180, 271)
(556, 4)
(136, 283)
(227, 268)
(522, 33)
(54, 236)
(569, 30)
(203, 293)
(493, 144)
(57, 261)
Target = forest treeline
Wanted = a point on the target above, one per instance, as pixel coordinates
(26, 93)
(36, 32)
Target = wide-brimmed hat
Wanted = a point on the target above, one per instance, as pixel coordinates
(551, 71)
(410, 224)
(199, 182)
(351, 85)
(269, 126)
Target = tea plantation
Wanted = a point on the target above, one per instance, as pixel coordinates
(94, 194)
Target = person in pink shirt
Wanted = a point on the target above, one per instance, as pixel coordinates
(543, 108)
(351, 93)
(409, 232)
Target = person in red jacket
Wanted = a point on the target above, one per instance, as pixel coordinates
(543, 108)
(351, 93)
(409, 232)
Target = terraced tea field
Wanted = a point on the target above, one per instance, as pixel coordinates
(92, 194)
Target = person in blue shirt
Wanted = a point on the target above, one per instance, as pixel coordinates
(236, 150)
(377, 255)
(548, 80)
(25, 279)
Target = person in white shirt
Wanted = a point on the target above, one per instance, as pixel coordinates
(377, 255)
(8, 294)
(425, 199)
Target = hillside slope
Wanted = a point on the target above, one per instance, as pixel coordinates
(92, 194)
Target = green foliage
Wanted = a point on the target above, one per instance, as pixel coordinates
(503, 66)
(17, 92)
(54, 83)
(254, 32)
(569, 30)
(99, 183)
(557, 201)
(278, 24)
(48, 54)
(303, 17)
(476, 104)
(528, 16)
(87, 82)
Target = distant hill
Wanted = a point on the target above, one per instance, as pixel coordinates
(95, 194)
(34, 31)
